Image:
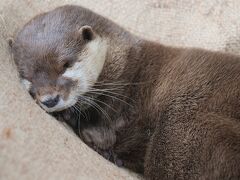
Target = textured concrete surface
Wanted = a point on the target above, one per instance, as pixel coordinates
(35, 146)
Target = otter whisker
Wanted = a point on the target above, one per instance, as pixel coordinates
(88, 103)
(98, 107)
(84, 113)
(78, 119)
(119, 83)
(94, 99)
(110, 89)
(113, 97)
(77, 111)
(109, 95)
(114, 93)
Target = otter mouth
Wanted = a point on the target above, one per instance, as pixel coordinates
(58, 106)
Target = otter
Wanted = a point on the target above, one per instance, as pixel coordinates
(165, 112)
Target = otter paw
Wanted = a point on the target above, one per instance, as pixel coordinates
(101, 137)
(110, 155)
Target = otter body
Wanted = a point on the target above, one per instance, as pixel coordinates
(169, 113)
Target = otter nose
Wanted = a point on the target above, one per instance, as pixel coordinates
(51, 101)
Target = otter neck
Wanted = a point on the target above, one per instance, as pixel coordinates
(123, 54)
(130, 58)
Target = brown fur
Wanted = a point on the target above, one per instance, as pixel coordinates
(178, 117)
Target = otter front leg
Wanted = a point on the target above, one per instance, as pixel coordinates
(103, 137)
(100, 137)
(102, 140)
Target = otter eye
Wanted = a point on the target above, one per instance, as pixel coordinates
(66, 65)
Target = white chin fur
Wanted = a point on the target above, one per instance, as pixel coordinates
(89, 66)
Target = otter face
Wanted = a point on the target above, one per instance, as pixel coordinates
(56, 64)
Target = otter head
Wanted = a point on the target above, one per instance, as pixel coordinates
(58, 59)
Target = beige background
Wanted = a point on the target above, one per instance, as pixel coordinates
(35, 146)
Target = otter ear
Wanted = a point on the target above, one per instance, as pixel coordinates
(87, 33)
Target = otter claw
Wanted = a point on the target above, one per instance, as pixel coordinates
(111, 156)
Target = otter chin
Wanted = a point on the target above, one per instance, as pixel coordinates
(164, 112)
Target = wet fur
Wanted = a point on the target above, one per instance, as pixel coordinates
(181, 119)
